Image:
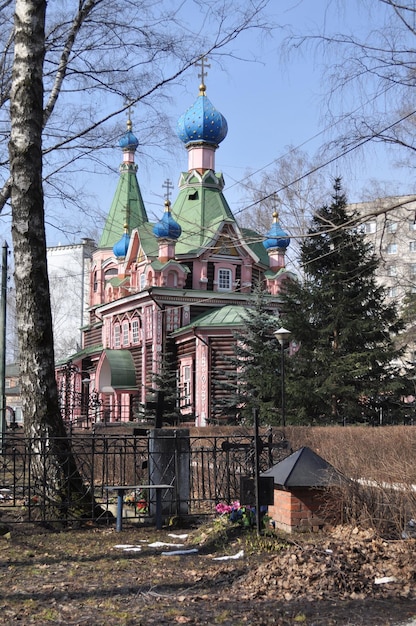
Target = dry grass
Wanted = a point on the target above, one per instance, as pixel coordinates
(382, 454)
(381, 465)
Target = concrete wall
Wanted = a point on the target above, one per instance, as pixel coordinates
(169, 463)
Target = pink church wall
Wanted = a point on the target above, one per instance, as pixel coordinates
(201, 158)
(277, 260)
(199, 271)
(201, 382)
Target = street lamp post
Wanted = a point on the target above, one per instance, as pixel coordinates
(283, 335)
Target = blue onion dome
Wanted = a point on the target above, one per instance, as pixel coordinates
(276, 237)
(167, 228)
(202, 122)
(128, 141)
(120, 248)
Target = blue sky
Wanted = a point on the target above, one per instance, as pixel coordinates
(270, 102)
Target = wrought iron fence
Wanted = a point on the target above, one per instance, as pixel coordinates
(214, 466)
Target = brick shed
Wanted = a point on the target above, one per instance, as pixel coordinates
(304, 492)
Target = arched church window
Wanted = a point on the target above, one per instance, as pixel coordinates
(117, 336)
(172, 280)
(125, 333)
(111, 273)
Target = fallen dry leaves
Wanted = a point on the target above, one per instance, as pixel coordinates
(79, 577)
(347, 564)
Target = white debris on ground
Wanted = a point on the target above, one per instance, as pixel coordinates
(180, 552)
(227, 557)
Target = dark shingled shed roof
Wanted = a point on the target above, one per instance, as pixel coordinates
(304, 468)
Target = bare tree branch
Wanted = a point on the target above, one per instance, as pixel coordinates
(378, 67)
(85, 9)
(114, 55)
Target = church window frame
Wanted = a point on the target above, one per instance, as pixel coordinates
(172, 279)
(186, 384)
(117, 335)
(111, 272)
(126, 333)
(135, 330)
(224, 279)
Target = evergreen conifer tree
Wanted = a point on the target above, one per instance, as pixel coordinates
(163, 403)
(347, 366)
(254, 380)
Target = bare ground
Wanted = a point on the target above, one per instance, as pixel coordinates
(84, 577)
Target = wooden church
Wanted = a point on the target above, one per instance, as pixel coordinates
(180, 285)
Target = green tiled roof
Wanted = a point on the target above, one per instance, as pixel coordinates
(95, 349)
(127, 208)
(115, 281)
(255, 241)
(123, 375)
(158, 265)
(148, 240)
(199, 210)
(230, 316)
(282, 270)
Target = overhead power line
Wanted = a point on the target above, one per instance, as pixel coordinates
(328, 162)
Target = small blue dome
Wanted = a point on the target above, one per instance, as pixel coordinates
(202, 122)
(120, 248)
(128, 141)
(167, 228)
(276, 237)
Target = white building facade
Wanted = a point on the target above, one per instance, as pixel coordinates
(69, 270)
(390, 226)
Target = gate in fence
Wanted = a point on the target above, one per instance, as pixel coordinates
(203, 470)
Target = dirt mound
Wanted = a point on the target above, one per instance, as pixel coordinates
(345, 564)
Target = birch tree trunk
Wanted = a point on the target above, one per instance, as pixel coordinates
(56, 472)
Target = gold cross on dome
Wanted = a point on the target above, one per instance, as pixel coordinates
(130, 109)
(169, 187)
(202, 63)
